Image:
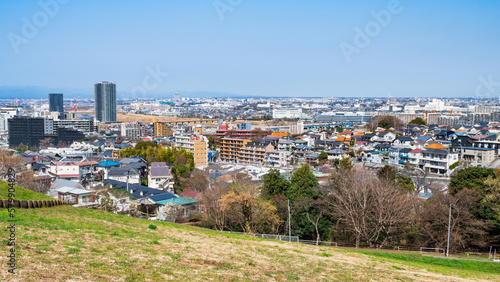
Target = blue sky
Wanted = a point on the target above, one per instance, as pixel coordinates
(268, 48)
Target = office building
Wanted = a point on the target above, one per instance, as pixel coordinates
(56, 104)
(105, 101)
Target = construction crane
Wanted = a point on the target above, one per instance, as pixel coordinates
(75, 106)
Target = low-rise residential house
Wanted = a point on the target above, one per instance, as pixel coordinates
(326, 144)
(124, 173)
(160, 177)
(414, 156)
(336, 154)
(312, 158)
(384, 136)
(184, 207)
(105, 166)
(477, 156)
(394, 155)
(437, 160)
(371, 156)
(65, 170)
(284, 144)
(403, 140)
(280, 158)
(487, 144)
(382, 147)
(87, 169)
(76, 196)
(404, 155)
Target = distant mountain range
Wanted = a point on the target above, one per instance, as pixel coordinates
(37, 92)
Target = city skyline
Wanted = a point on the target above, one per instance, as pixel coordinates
(367, 49)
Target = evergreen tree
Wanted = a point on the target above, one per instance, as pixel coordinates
(304, 184)
(274, 184)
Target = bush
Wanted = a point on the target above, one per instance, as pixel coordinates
(153, 227)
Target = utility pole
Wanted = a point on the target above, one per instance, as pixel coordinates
(289, 224)
(173, 211)
(449, 228)
(128, 172)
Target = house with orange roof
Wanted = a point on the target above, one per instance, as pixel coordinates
(436, 158)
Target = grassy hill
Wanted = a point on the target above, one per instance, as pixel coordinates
(66, 243)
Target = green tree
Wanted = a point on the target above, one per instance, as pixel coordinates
(383, 124)
(387, 173)
(304, 184)
(344, 164)
(274, 184)
(179, 172)
(323, 156)
(471, 177)
(417, 121)
(405, 183)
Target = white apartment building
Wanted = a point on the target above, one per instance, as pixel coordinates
(287, 113)
(297, 128)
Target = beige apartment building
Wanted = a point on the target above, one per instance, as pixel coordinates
(230, 148)
(254, 152)
(198, 145)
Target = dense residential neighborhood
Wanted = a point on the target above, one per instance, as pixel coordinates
(171, 170)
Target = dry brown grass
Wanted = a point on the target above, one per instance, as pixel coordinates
(65, 243)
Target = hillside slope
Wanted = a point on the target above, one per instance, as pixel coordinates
(66, 243)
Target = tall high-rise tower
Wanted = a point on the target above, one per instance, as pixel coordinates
(105, 101)
(56, 103)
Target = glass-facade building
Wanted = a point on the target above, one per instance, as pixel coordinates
(105, 101)
(56, 103)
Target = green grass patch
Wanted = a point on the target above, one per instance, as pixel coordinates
(464, 268)
(21, 193)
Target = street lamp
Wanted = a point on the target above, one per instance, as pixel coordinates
(449, 229)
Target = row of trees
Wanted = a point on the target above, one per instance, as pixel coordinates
(357, 208)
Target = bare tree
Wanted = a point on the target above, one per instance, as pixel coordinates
(214, 215)
(25, 177)
(47, 142)
(371, 208)
(465, 229)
